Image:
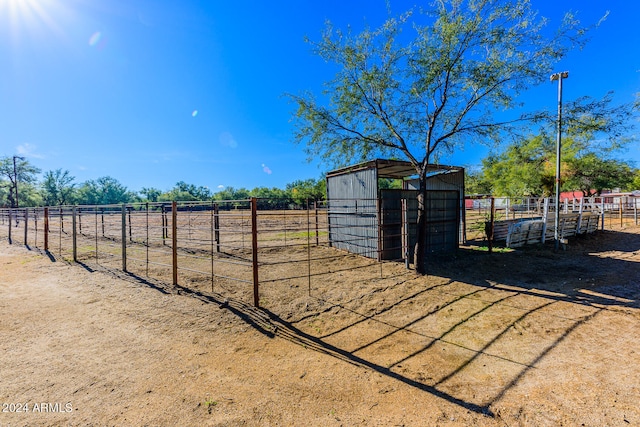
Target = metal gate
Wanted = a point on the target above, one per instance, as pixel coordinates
(399, 216)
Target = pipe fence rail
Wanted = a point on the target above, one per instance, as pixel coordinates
(260, 251)
(243, 249)
(489, 219)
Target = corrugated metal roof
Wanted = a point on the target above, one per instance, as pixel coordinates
(396, 169)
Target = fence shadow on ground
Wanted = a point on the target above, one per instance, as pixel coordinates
(472, 337)
(608, 261)
(502, 286)
(271, 325)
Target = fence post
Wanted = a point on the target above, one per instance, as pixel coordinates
(74, 234)
(102, 220)
(26, 222)
(216, 225)
(10, 219)
(315, 208)
(405, 232)
(174, 240)
(35, 227)
(61, 218)
(603, 214)
(491, 223)
(163, 216)
(635, 211)
(580, 211)
(379, 231)
(545, 215)
(46, 229)
(146, 240)
(309, 246)
(620, 209)
(254, 247)
(95, 211)
(129, 209)
(124, 236)
(213, 233)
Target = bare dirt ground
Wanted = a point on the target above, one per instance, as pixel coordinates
(529, 337)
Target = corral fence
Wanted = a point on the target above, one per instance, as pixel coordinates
(251, 250)
(514, 222)
(266, 253)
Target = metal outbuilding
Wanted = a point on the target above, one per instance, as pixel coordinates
(381, 223)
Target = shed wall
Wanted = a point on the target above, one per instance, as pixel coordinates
(453, 181)
(442, 222)
(353, 212)
(361, 223)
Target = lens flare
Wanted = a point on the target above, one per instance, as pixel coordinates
(95, 38)
(227, 140)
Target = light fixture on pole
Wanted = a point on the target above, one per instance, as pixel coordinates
(559, 77)
(15, 178)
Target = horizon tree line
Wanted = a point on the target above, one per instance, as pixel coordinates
(58, 187)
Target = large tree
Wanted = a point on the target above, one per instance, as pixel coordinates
(150, 194)
(524, 168)
(595, 132)
(58, 188)
(527, 168)
(14, 172)
(105, 190)
(591, 174)
(416, 95)
(308, 189)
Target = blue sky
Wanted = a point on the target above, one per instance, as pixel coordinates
(155, 92)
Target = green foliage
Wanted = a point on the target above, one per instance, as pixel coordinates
(389, 184)
(57, 188)
(271, 198)
(104, 191)
(30, 195)
(413, 97)
(230, 193)
(635, 184)
(527, 167)
(17, 173)
(150, 194)
(476, 183)
(310, 189)
(195, 192)
(592, 174)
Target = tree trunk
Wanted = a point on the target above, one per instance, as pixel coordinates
(419, 253)
(10, 198)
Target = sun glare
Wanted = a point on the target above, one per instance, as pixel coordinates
(28, 16)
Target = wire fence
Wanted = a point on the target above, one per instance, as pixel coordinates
(249, 251)
(242, 249)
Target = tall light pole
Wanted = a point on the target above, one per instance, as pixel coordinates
(558, 77)
(15, 178)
